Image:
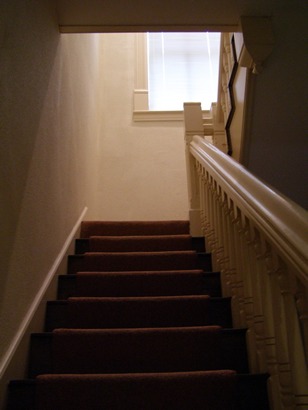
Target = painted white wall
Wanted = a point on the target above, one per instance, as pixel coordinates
(67, 142)
(50, 127)
(142, 165)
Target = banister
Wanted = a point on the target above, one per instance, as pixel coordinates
(284, 222)
(258, 239)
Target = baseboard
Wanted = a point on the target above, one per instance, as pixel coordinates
(14, 362)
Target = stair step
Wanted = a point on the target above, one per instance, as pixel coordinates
(150, 283)
(140, 324)
(132, 261)
(138, 350)
(22, 393)
(137, 312)
(131, 228)
(139, 243)
(138, 261)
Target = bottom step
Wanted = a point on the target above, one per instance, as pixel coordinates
(209, 390)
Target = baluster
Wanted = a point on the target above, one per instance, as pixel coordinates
(210, 229)
(294, 379)
(236, 222)
(301, 300)
(247, 271)
(226, 269)
(206, 205)
(215, 242)
(266, 328)
(235, 291)
(202, 193)
(257, 350)
(220, 252)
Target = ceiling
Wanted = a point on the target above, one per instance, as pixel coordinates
(160, 15)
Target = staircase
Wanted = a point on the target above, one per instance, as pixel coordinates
(139, 323)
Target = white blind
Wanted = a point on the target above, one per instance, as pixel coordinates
(183, 67)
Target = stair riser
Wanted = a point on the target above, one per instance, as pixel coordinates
(139, 262)
(93, 228)
(250, 393)
(209, 284)
(113, 315)
(231, 353)
(197, 244)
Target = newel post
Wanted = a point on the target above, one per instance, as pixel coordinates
(193, 126)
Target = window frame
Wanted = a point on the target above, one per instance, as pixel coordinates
(141, 111)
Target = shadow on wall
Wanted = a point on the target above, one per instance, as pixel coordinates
(29, 42)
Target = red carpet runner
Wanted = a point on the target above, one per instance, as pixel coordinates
(137, 329)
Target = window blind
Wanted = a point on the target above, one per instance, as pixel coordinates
(183, 67)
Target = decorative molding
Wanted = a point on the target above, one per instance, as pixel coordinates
(156, 116)
(193, 119)
(39, 297)
(126, 28)
(141, 93)
(232, 73)
(148, 116)
(228, 68)
(258, 42)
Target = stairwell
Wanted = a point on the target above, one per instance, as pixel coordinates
(139, 323)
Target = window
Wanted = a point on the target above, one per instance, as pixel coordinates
(172, 68)
(182, 67)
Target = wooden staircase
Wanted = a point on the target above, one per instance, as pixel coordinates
(139, 323)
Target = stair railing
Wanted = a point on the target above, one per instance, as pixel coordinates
(259, 243)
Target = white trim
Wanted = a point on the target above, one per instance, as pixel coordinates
(38, 298)
(145, 115)
(141, 112)
(141, 94)
(138, 28)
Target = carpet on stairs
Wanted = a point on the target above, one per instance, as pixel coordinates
(139, 336)
(139, 261)
(140, 283)
(132, 228)
(208, 390)
(153, 243)
(138, 312)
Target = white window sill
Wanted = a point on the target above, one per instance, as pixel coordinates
(178, 115)
(146, 115)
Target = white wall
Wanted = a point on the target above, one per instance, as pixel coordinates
(67, 142)
(142, 165)
(50, 127)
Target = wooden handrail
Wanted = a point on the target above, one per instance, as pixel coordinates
(284, 222)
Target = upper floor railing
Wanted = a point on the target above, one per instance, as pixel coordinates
(259, 243)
